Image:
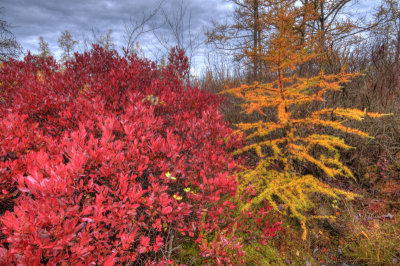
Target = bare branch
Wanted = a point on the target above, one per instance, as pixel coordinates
(9, 47)
(134, 29)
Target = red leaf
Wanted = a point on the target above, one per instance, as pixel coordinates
(110, 261)
(166, 210)
(159, 243)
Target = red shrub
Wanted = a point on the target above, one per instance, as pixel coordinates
(109, 160)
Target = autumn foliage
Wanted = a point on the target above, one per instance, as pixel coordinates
(113, 160)
(299, 145)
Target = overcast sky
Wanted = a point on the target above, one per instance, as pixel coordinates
(48, 18)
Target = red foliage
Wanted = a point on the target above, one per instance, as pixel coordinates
(104, 160)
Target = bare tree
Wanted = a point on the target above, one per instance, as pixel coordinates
(9, 47)
(67, 44)
(382, 55)
(388, 29)
(136, 28)
(179, 32)
(243, 36)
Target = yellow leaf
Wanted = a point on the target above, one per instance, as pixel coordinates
(169, 176)
(177, 197)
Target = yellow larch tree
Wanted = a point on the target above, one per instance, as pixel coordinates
(298, 135)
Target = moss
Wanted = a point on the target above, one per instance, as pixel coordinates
(258, 254)
(189, 254)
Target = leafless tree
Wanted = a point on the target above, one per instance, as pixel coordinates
(179, 31)
(136, 28)
(242, 35)
(9, 47)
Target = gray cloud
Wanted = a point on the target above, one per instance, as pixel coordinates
(31, 19)
(48, 18)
